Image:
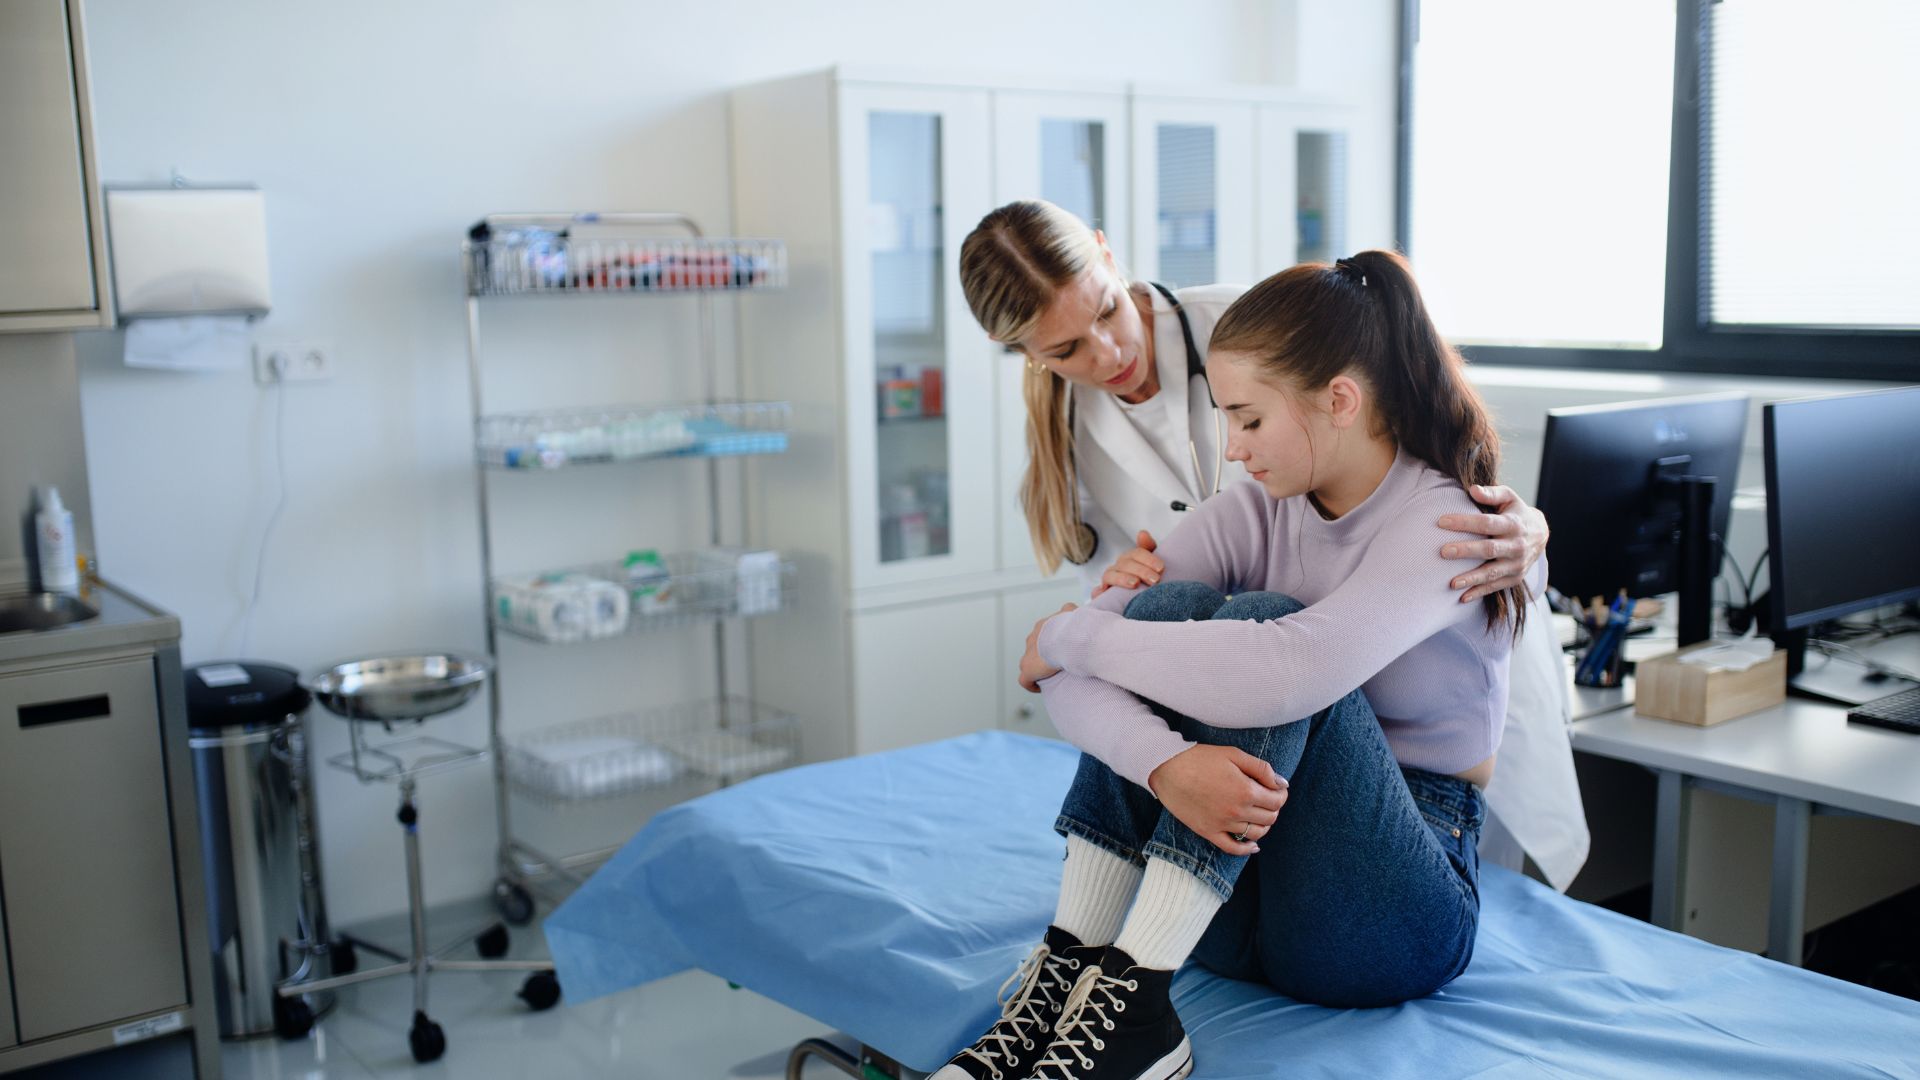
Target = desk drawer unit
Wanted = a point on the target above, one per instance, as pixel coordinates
(86, 859)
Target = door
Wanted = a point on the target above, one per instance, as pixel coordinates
(1194, 214)
(48, 250)
(924, 672)
(93, 921)
(1019, 610)
(915, 178)
(1071, 150)
(1306, 189)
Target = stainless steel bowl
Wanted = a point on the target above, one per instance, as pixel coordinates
(43, 611)
(387, 688)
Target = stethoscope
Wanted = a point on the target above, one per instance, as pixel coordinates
(1195, 367)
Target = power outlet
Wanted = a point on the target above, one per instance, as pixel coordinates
(292, 362)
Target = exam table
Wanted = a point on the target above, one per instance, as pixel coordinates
(889, 895)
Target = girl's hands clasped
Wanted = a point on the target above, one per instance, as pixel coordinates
(1222, 793)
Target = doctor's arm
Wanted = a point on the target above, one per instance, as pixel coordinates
(1516, 537)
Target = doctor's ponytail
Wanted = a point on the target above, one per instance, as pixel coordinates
(1011, 267)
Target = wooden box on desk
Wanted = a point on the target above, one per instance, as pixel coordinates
(1666, 689)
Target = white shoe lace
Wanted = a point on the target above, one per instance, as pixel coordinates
(1041, 972)
(1085, 1017)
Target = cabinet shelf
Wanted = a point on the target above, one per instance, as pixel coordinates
(556, 438)
(603, 600)
(719, 740)
(532, 260)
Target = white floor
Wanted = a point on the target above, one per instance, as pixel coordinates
(691, 1026)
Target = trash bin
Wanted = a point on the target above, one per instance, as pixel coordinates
(266, 919)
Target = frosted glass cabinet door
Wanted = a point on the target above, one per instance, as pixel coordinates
(915, 180)
(1306, 187)
(1071, 150)
(1193, 168)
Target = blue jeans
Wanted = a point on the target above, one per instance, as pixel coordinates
(1366, 891)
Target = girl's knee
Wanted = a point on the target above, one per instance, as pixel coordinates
(1175, 601)
(1259, 607)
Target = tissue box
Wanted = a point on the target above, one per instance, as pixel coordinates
(1666, 689)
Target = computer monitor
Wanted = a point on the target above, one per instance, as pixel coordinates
(1638, 494)
(1843, 509)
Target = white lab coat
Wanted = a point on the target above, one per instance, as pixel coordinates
(1125, 486)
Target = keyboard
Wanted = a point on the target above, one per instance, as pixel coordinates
(1900, 712)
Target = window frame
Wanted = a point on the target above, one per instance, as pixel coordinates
(1688, 344)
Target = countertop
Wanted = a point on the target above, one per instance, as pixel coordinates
(124, 621)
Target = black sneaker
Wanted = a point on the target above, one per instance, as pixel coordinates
(1118, 1024)
(1030, 1003)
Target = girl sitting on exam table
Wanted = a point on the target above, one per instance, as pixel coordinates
(1123, 440)
(1284, 785)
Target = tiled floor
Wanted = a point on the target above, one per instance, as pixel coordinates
(691, 1026)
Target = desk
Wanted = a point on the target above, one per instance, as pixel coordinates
(1802, 756)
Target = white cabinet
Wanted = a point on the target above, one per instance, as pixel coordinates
(1193, 191)
(899, 494)
(51, 233)
(1307, 162)
(926, 671)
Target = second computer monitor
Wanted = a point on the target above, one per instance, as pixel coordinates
(1620, 484)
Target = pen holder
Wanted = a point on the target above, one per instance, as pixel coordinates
(1608, 670)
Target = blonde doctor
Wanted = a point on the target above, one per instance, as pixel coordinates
(1123, 439)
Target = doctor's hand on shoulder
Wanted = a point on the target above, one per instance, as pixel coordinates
(1032, 667)
(1516, 538)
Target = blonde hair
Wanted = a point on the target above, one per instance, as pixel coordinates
(1012, 266)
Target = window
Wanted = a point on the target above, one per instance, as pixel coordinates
(1704, 185)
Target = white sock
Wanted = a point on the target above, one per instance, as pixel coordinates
(1095, 888)
(1170, 914)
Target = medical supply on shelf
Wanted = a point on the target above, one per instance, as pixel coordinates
(756, 587)
(568, 769)
(561, 607)
(649, 582)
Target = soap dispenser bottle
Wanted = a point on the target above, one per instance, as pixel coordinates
(53, 534)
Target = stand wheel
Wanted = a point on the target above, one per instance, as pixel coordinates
(292, 1017)
(540, 991)
(514, 902)
(493, 943)
(426, 1039)
(343, 958)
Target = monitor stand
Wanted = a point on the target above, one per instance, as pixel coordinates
(1843, 680)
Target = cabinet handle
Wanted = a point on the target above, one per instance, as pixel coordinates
(58, 712)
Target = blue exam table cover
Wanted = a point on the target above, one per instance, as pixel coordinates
(889, 895)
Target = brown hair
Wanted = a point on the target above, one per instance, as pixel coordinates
(1363, 316)
(1011, 267)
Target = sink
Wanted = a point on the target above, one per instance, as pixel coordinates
(43, 611)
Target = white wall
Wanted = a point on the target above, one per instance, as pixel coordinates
(379, 132)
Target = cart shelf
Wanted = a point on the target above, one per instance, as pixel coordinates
(716, 741)
(534, 260)
(556, 438)
(641, 594)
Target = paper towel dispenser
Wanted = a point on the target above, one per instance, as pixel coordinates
(188, 251)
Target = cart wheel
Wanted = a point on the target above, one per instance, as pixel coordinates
(292, 1017)
(493, 943)
(426, 1039)
(341, 955)
(514, 902)
(540, 991)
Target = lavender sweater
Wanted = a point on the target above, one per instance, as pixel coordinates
(1379, 617)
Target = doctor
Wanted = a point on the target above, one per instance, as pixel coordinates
(1123, 439)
